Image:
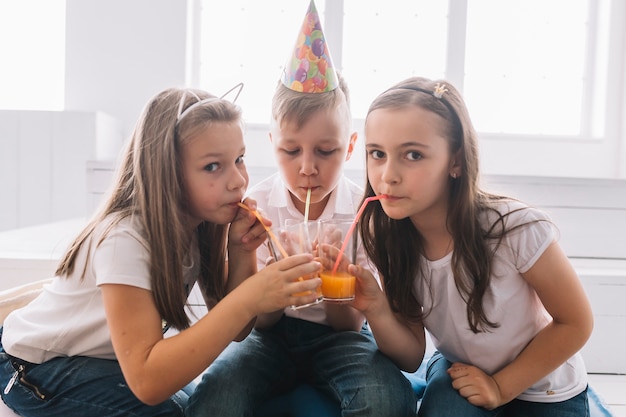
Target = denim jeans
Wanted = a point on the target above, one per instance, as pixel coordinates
(346, 366)
(77, 386)
(442, 400)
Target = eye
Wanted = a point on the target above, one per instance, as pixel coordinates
(291, 152)
(326, 152)
(239, 160)
(413, 156)
(212, 167)
(376, 154)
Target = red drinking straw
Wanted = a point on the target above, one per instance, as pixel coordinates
(352, 226)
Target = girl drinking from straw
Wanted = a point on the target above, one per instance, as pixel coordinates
(482, 273)
(92, 343)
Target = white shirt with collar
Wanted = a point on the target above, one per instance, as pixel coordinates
(274, 201)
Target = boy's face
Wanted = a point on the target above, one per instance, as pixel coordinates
(312, 157)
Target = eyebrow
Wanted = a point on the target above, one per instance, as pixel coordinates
(220, 154)
(410, 144)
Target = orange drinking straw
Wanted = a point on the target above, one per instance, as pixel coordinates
(352, 226)
(267, 229)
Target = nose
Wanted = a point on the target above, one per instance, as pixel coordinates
(239, 179)
(389, 174)
(308, 164)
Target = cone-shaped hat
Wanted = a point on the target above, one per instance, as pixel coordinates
(310, 68)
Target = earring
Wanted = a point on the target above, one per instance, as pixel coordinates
(453, 175)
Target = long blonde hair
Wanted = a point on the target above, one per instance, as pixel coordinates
(149, 187)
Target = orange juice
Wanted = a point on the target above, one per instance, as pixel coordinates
(337, 287)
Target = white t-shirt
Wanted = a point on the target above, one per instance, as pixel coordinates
(274, 201)
(510, 301)
(68, 318)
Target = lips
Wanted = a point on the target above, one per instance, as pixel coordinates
(392, 197)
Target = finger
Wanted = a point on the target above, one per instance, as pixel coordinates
(299, 286)
(306, 296)
(250, 202)
(293, 261)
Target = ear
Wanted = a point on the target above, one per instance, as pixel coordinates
(353, 137)
(270, 135)
(456, 165)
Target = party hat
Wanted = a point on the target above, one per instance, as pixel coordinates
(310, 68)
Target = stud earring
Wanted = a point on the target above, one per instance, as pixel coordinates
(453, 175)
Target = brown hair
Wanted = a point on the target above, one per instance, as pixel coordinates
(149, 187)
(392, 244)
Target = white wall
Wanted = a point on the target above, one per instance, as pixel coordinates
(43, 176)
(120, 53)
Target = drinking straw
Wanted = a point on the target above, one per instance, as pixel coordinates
(267, 229)
(346, 239)
(306, 215)
(307, 204)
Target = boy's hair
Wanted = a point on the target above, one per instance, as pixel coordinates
(391, 244)
(149, 188)
(295, 106)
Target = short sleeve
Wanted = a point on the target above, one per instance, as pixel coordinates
(530, 233)
(122, 258)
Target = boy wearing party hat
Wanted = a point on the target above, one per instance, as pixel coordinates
(325, 345)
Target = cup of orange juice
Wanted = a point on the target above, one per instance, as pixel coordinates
(298, 237)
(338, 285)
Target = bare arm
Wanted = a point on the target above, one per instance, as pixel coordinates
(245, 235)
(402, 341)
(154, 367)
(562, 294)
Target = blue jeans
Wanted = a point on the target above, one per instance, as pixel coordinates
(77, 386)
(442, 400)
(347, 366)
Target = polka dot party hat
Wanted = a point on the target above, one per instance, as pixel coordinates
(310, 68)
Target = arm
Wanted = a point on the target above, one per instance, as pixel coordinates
(154, 367)
(266, 321)
(563, 296)
(245, 235)
(404, 342)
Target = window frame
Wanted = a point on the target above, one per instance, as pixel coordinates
(501, 151)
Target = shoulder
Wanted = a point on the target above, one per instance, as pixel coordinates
(520, 233)
(125, 232)
(511, 213)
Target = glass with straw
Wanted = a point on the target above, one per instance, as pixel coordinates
(300, 237)
(337, 247)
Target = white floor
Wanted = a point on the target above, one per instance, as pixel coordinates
(612, 389)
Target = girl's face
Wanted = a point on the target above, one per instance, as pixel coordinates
(312, 157)
(409, 159)
(215, 176)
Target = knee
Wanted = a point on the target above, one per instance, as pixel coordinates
(213, 398)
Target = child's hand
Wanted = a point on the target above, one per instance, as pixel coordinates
(368, 295)
(475, 386)
(276, 284)
(246, 230)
